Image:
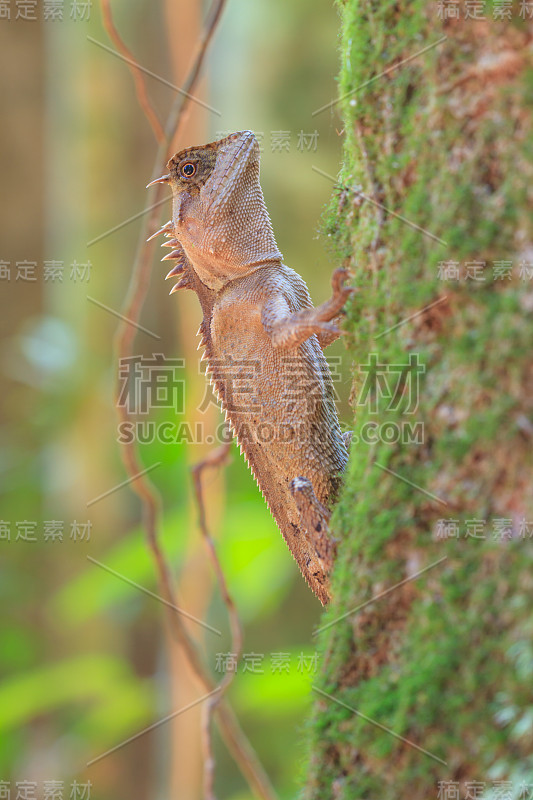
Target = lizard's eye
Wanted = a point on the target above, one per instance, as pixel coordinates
(188, 169)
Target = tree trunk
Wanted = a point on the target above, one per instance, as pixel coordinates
(425, 691)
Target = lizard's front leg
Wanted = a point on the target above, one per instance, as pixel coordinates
(289, 330)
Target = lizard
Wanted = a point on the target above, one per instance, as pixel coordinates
(263, 341)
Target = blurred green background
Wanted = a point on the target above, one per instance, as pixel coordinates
(86, 658)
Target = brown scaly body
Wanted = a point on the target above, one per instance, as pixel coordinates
(263, 342)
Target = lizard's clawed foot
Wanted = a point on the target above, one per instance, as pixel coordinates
(338, 281)
(332, 310)
(333, 307)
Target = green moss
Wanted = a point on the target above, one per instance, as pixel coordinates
(443, 660)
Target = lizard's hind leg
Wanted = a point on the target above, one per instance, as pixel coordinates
(314, 519)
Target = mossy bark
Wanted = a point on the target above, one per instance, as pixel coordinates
(443, 661)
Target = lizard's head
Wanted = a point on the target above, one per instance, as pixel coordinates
(191, 168)
(219, 214)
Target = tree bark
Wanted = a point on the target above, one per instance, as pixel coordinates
(426, 689)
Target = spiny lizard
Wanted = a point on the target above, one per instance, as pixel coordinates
(263, 341)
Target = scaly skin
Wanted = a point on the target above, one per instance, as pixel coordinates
(263, 342)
